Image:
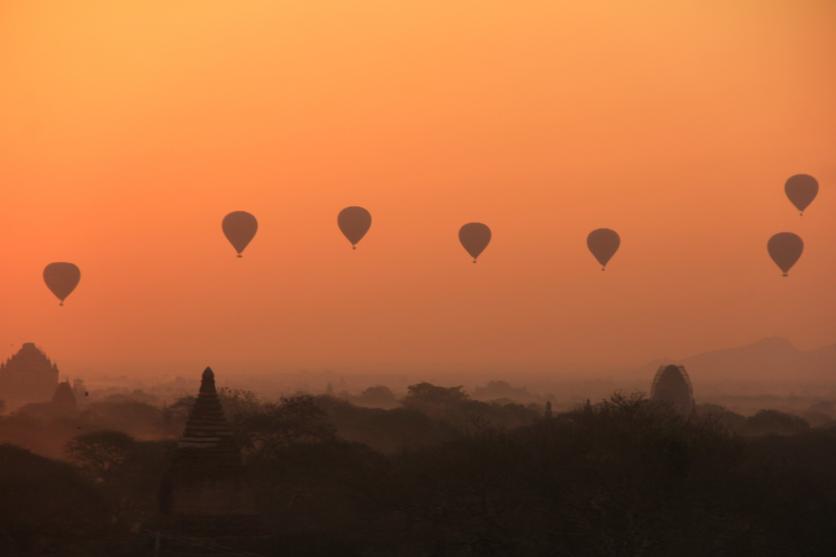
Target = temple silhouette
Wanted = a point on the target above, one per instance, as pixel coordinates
(63, 405)
(204, 495)
(28, 376)
(672, 386)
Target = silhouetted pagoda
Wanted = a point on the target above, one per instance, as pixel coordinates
(63, 405)
(204, 492)
(28, 376)
(672, 386)
(63, 400)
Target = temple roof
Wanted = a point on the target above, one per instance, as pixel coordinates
(28, 358)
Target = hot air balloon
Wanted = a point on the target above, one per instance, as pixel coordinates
(239, 228)
(61, 279)
(785, 249)
(354, 222)
(802, 190)
(475, 237)
(603, 243)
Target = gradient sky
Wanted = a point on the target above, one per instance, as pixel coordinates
(128, 129)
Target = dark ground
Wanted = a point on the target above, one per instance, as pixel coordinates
(438, 475)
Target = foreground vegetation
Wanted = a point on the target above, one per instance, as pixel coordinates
(442, 474)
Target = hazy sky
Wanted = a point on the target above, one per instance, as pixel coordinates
(128, 129)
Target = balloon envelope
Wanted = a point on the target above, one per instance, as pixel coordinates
(239, 228)
(61, 278)
(603, 243)
(802, 189)
(785, 249)
(354, 222)
(475, 237)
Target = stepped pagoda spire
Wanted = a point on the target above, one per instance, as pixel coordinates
(205, 487)
(207, 440)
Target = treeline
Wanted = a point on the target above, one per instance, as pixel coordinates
(442, 474)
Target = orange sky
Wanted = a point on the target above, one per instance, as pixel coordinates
(128, 129)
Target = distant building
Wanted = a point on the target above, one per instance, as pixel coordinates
(64, 400)
(62, 405)
(28, 376)
(204, 492)
(672, 386)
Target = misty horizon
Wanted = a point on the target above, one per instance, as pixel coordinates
(383, 369)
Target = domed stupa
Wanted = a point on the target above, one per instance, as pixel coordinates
(672, 386)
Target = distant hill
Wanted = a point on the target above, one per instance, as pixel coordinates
(771, 360)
